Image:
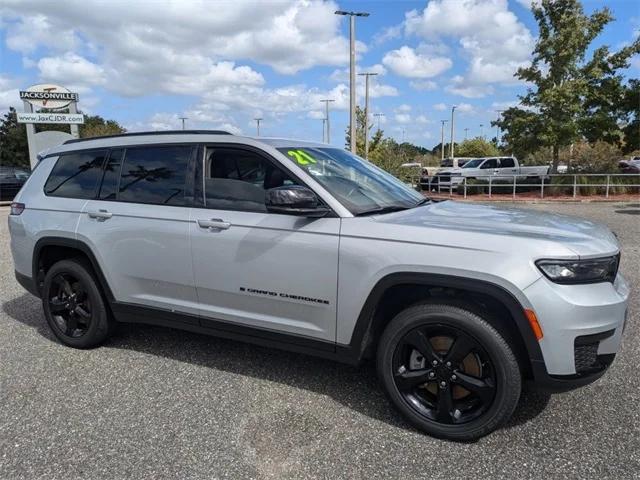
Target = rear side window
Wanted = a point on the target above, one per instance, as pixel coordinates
(507, 162)
(155, 175)
(76, 175)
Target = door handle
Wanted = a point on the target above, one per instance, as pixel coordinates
(214, 224)
(101, 215)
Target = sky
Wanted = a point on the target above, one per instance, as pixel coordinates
(224, 63)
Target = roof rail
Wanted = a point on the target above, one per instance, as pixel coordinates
(161, 132)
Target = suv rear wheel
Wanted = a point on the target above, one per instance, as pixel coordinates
(73, 305)
(449, 372)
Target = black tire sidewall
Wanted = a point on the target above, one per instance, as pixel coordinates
(99, 327)
(508, 377)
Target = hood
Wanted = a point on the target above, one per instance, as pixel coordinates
(450, 170)
(511, 225)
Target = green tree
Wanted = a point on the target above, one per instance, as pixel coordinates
(631, 109)
(476, 147)
(570, 98)
(96, 126)
(13, 141)
(374, 140)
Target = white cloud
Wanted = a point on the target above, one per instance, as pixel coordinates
(70, 69)
(423, 85)
(9, 94)
(465, 108)
(422, 119)
(387, 33)
(404, 108)
(403, 118)
(489, 34)
(146, 48)
(468, 89)
(407, 63)
(440, 107)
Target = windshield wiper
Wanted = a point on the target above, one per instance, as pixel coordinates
(422, 202)
(380, 210)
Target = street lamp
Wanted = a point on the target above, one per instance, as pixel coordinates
(482, 131)
(442, 139)
(326, 116)
(366, 112)
(183, 119)
(352, 73)
(466, 130)
(258, 120)
(453, 109)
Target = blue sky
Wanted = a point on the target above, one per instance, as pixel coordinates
(226, 62)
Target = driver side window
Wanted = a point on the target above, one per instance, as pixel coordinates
(236, 179)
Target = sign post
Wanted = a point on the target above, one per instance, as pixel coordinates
(50, 97)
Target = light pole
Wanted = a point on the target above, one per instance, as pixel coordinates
(453, 109)
(378, 115)
(352, 73)
(442, 139)
(366, 112)
(324, 123)
(403, 135)
(183, 119)
(482, 131)
(465, 133)
(258, 120)
(326, 116)
(499, 112)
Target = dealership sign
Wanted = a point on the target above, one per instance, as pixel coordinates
(46, 95)
(67, 118)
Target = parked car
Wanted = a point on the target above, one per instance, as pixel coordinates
(11, 181)
(307, 247)
(630, 166)
(500, 169)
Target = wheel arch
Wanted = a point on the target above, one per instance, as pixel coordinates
(50, 249)
(413, 287)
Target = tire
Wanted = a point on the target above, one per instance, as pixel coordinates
(66, 305)
(442, 406)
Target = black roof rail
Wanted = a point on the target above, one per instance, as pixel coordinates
(161, 132)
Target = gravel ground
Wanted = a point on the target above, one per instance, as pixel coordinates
(159, 403)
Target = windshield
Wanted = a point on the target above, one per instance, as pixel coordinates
(473, 163)
(359, 185)
(446, 163)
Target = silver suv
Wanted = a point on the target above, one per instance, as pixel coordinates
(307, 247)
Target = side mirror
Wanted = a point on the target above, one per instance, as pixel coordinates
(294, 200)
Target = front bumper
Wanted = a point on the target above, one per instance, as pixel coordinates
(582, 326)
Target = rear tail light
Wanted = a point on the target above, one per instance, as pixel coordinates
(17, 208)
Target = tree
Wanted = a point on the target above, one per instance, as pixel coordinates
(96, 126)
(570, 98)
(13, 141)
(476, 147)
(631, 108)
(374, 141)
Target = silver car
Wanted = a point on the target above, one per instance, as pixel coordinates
(306, 247)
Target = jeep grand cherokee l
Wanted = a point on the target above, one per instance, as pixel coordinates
(307, 247)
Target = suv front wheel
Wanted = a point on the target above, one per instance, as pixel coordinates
(73, 305)
(448, 371)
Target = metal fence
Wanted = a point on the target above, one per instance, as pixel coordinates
(568, 181)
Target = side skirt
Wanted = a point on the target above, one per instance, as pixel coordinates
(129, 313)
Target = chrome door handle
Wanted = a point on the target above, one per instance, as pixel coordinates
(100, 214)
(214, 223)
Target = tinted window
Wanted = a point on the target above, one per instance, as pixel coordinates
(507, 162)
(236, 179)
(155, 175)
(111, 175)
(491, 163)
(76, 175)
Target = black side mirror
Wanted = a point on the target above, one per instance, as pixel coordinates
(294, 200)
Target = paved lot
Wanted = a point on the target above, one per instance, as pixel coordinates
(158, 403)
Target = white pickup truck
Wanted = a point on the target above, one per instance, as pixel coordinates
(500, 169)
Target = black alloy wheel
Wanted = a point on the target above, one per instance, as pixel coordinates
(74, 305)
(448, 370)
(444, 374)
(69, 305)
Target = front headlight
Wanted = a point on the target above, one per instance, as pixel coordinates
(580, 271)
